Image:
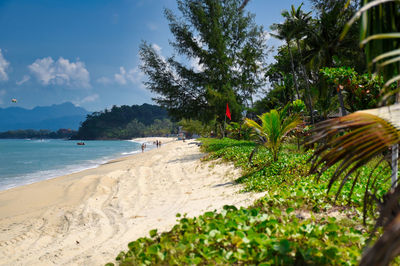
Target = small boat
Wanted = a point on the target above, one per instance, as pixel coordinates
(80, 143)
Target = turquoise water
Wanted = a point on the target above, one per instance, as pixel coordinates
(24, 161)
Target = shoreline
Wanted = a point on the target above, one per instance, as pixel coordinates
(33, 177)
(86, 218)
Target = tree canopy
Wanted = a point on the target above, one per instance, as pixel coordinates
(126, 122)
(227, 52)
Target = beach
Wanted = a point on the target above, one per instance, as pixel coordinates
(86, 218)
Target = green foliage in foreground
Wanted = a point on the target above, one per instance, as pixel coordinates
(293, 224)
(288, 178)
(249, 236)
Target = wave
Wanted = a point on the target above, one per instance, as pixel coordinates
(130, 153)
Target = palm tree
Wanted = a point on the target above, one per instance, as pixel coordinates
(323, 45)
(300, 23)
(370, 132)
(274, 127)
(285, 32)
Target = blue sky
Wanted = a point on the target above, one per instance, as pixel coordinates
(86, 51)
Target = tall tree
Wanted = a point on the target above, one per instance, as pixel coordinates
(284, 31)
(299, 22)
(324, 47)
(230, 52)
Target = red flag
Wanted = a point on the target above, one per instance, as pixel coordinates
(228, 113)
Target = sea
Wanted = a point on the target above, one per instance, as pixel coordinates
(25, 161)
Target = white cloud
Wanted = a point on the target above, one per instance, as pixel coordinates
(133, 76)
(43, 69)
(3, 66)
(2, 93)
(60, 72)
(104, 80)
(120, 77)
(87, 99)
(23, 80)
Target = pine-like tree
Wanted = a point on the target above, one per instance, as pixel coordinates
(229, 50)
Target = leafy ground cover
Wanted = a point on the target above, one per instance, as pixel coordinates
(295, 223)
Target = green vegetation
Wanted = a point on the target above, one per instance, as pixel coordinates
(126, 122)
(276, 126)
(348, 174)
(238, 131)
(230, 49)
(295, 223)
(273, 129)
(312, 43)
(38, 134)
(191, 127)
(263, 236)
(360, 91)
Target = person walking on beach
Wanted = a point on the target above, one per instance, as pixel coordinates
(143, 146)
(157, 143)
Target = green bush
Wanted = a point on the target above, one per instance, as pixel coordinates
(249, 236)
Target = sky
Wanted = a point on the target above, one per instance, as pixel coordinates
(86, 51)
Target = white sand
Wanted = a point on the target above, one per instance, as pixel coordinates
(88, 217)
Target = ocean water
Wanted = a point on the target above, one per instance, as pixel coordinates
(25, 161)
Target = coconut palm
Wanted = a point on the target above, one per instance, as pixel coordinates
(285, 32)
(299, 22)
(275, 125)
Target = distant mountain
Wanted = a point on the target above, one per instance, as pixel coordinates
(65, 115)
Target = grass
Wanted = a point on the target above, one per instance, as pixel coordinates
(295, 223)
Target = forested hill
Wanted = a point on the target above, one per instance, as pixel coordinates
(126, 122)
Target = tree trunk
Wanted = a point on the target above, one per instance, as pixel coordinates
(308, 92)
(340, 95)
(293, 72)
(395, 152)
(222, 130)
(395, 166)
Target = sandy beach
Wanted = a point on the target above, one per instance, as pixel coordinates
(86, 218)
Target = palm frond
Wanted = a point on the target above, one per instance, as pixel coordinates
(352, 141)
(360, 12)
(389, 113)
(367, 137)
(386, 55)
(392, 80)
(273, 129)
(392, 35)
(388, 62)
(257, 128)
